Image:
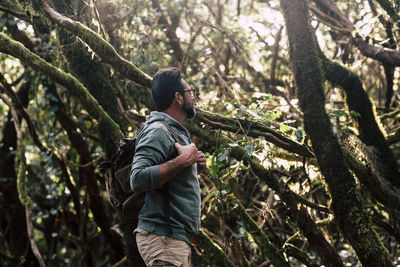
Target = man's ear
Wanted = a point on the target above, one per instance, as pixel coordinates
(178, 98)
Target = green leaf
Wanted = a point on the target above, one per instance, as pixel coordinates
(284, 128)
(337, 113)
(273, 115)
(355, 114)
(249, 149)
(267, 98)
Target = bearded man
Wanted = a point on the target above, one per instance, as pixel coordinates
(165, 167)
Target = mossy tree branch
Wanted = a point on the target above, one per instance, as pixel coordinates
(357, 100)
(100, 46)
(93, 74)
(385, 55)
(86, 171)
(382, 190)
(297, 212)
(253, 129)
(213, 251)
(346, 203)
(74, 86)
(262, 240)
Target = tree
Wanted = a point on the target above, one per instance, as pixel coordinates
(301, 139)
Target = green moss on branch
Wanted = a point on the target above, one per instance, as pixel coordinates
(105, 50)
(276, 257)
(346, 203)
(253, 129)
(370, 133)
(212, 250)
(74, 86)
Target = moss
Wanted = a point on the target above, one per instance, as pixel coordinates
(330, 158)
(105, 50)
(21, 183)
(214, 252)
(93, 76)
(314, 235)
(262, 240)
(73, 85)
(368, 242)
(370, 130)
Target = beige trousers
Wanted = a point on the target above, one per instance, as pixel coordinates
(159, 250)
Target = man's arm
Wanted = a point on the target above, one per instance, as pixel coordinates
(153, 149)
(187, 155)
(148, 173)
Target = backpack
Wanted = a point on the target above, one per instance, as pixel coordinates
(117, 177)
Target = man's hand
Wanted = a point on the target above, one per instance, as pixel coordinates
(187, 154)
(201, 162)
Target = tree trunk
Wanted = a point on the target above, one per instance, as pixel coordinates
(346, 203)
(94, 77)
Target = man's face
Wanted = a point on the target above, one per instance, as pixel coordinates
(188, 107)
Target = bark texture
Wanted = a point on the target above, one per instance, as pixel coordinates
(346, 203)
(370, 133)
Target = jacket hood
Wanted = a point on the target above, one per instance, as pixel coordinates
(161, 116)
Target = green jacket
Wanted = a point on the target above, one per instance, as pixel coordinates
(173, 209)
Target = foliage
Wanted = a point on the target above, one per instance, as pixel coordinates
(263, 181)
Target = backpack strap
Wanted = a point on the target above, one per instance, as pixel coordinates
(170, 130)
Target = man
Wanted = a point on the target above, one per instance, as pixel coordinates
(170, 216)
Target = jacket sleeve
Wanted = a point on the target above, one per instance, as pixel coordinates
(152, 149)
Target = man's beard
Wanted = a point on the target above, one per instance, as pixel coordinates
(188, 109)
